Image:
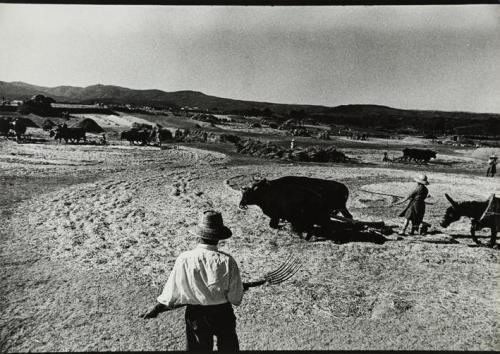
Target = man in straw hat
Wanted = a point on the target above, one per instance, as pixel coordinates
(415, 210)
(208, 282)
(492, 166)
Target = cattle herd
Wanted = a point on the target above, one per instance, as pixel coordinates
(307, 203)
(141, 134)
(145, 134)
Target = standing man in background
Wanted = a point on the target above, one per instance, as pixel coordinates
(207, 281)
(492, 166)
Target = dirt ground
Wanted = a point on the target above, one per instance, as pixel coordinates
(89, 235)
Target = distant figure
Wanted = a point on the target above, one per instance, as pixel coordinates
(103, 139)
(292, 144)
(157, 135)
(492, 166)
(415, 210)
(386, 158)
(178, 134)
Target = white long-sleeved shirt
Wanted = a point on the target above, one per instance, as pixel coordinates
(203, 276)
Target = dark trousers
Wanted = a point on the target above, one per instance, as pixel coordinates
(205, 322)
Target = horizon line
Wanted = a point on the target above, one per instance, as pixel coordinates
(245, 100)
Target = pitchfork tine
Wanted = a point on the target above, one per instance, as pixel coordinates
(289, 268)
(283, 265)
(291, 274)
(284, 268)
(281, 274)
(286, 276)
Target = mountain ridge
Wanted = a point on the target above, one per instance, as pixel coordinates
(113, 94)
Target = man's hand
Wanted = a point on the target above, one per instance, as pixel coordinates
(151, 313)
(401, 201)
(154, 311)
(157, 309)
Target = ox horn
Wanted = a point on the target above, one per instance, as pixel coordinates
(452, 202)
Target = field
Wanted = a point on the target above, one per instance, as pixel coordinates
(89, 235)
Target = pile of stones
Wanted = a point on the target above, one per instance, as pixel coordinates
(272, 151)
(202, 136)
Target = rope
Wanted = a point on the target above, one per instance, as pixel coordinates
(389, 195)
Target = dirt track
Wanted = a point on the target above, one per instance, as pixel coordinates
(85, 256)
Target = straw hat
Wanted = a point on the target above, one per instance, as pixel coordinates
(422, 179)
(494, 157)
(211, 226)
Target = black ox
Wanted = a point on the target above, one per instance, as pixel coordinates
(134, 136)
(418, 155)
(19, 126)
(5, 126)
(73, 135)
(303, 201)
(473, 210)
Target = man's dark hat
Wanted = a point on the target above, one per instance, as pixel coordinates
(211, 226)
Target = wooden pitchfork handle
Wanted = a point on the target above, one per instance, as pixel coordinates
(251, 284)
(246, 286)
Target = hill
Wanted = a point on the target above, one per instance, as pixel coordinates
(358, 115)
(122, 95)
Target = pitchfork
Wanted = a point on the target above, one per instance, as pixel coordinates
(289, 267)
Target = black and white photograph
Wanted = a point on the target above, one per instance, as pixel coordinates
(249, 177)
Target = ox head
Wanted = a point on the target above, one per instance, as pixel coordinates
(56, 131)
(433, 154)
(452, 213)
(253, 194)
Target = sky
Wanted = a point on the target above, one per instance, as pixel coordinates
(416, 57)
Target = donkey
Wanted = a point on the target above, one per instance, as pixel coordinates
(474, 210)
